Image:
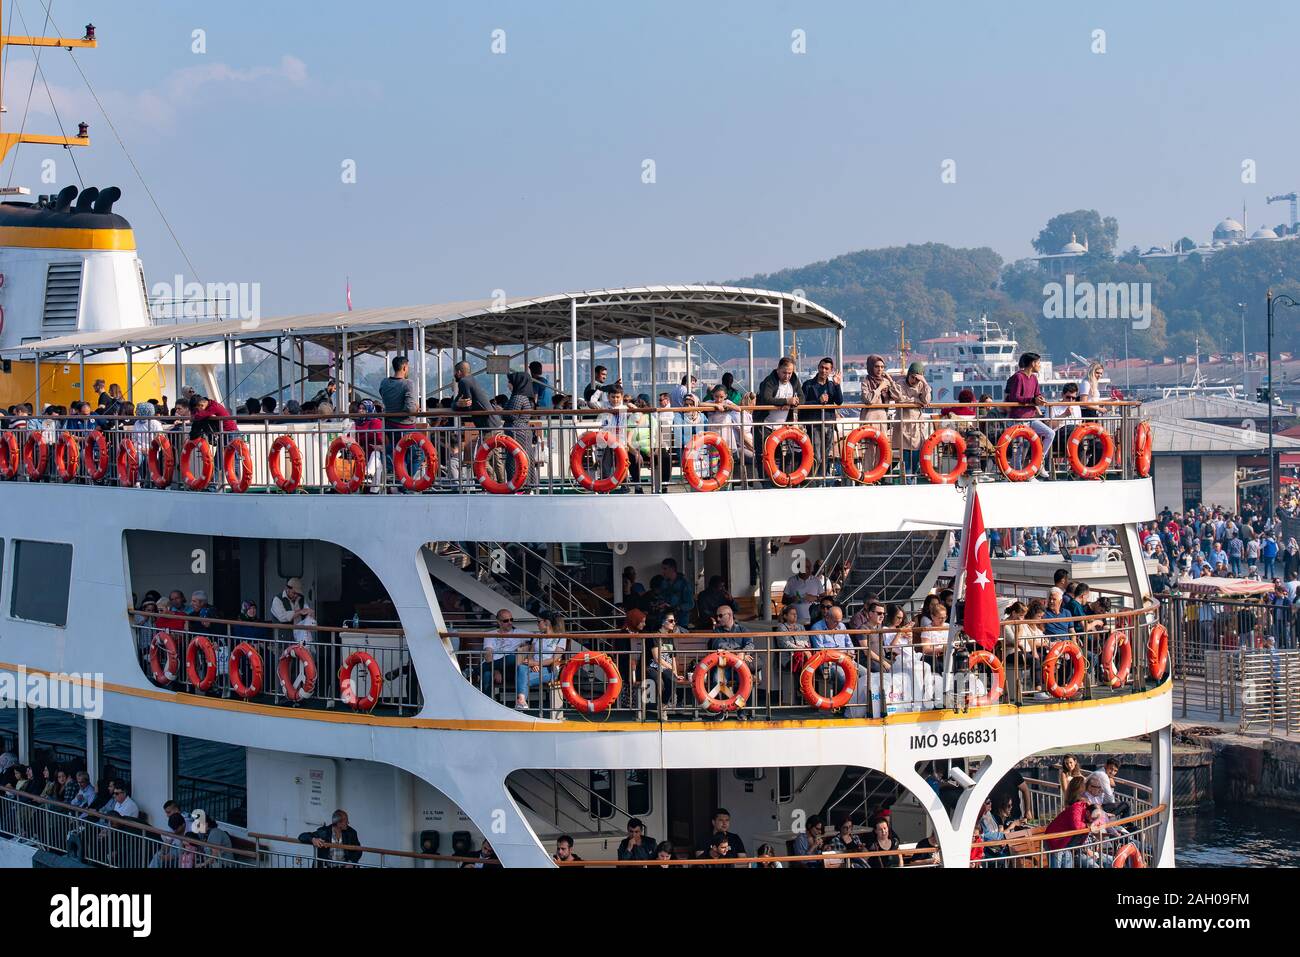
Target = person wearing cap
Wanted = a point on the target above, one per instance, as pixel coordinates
(218, 840)
(289, 608)
(637, 846)
(911, 433)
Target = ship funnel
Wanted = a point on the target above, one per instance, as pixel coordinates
(107, 197)
(87, 197)
(65, 198)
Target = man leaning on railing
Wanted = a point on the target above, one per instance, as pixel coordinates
(338, 831)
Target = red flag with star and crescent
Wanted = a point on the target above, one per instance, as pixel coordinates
(980, 614)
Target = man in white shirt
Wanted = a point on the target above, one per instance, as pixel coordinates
(499, 653)
(123, 804)
(802, 589)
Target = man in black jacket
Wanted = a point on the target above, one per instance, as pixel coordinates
(336, 832)
(781, 388)
(822, 389)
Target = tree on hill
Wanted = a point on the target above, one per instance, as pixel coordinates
(1102, 235)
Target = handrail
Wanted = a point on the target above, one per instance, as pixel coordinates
(265, 624)
(116, 820)
(363, 848)
(1038, 838)
(626, 635)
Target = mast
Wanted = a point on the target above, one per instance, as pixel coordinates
(9, 140)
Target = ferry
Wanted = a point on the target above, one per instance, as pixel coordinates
(497, 629)
(981, 359)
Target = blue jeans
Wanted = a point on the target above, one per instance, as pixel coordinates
(526, 679)
(911, 464)
(499, 663)
(1235, 562)
(1268, 567)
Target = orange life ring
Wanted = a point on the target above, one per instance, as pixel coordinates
(348, 690)
(352, 483)
(1143, 441)
(238, 479)
(788, 433)
(128, 462)
(424, 480)
(1030, 468)
(274, 460)
(196, 483)
(1157, 652)
(162, 461)
(9, 456)
(613, 682)
(744, 685)
(284, 670)
(1075, 654)
(1128, 856)
(1117, 673)
(513, 448)
(943, 437)
(66, 456)
(97, 457)
(847, 668)
(691, 468)
(884, 454)
(601, 441)
(238, 654)
(35, 454)
(162, 669)
(1082, 432)
(994, 663)
(201, 645)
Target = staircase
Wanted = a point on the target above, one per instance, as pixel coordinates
(896, 566)
(528, 579)
(858, 793)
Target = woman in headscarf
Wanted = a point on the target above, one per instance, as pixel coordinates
(517, 426)
(144, 430)
(878, 388)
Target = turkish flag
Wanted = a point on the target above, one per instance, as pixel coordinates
(980, 615)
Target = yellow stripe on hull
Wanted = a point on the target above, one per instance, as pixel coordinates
(39, 237)
(61, 382)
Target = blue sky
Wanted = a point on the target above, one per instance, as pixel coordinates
(523, 171)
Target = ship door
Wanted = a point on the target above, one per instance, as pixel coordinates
(692, 794)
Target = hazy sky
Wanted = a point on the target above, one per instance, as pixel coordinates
(523, 171)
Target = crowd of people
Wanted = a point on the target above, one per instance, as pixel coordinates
(653, 432)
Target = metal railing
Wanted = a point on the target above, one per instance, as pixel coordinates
(294, 666)
(106, 840)
(694, 676)
(546, 451)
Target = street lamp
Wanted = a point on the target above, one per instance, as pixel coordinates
(1272, 460)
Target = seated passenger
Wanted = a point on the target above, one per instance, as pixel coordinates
(883, 839)
(637, 846)
(539, 662)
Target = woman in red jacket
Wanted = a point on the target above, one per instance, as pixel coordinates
(1073, 817)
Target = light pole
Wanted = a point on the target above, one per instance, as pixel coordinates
(1272, 460)
(1245, 385)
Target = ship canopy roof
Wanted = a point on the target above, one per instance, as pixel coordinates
(606, 315)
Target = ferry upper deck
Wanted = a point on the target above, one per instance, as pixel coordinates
(481, 501)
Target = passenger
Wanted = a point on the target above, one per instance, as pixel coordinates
(169, 855)
(217, 853)
(539, 663)
(783, 390)
(85, 796)
(487, 857)
(811, 841)
(337, 831)
(199, 608)
(1069, 769)
(518, 426)
(883, 839)
(665, 439)
(823, 389)
(675, 591)
(632, 589)
(874, 620)
(664, 852)
(172, 619)
(595, 393)
(795, 640)
(721, 826)
(499, 653)
(910, 433)
(662, 666)
(1073, 817)
(846, 842)
(1023, 389)
(766, 853)
(122, 804)
(397, 393)
(637, 846)
(709, 601)
(290, 608)
(617, 421)
(564, 846)
(802, 589)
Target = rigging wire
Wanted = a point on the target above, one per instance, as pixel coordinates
(126, 152)
(50, 94)
(30, 87)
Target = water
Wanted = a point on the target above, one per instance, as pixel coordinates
(1237, 836)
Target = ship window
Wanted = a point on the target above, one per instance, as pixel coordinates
(638, 792)
(62, 295)
(42, 578)
(602, 794)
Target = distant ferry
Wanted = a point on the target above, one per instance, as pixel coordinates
(981, 359)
